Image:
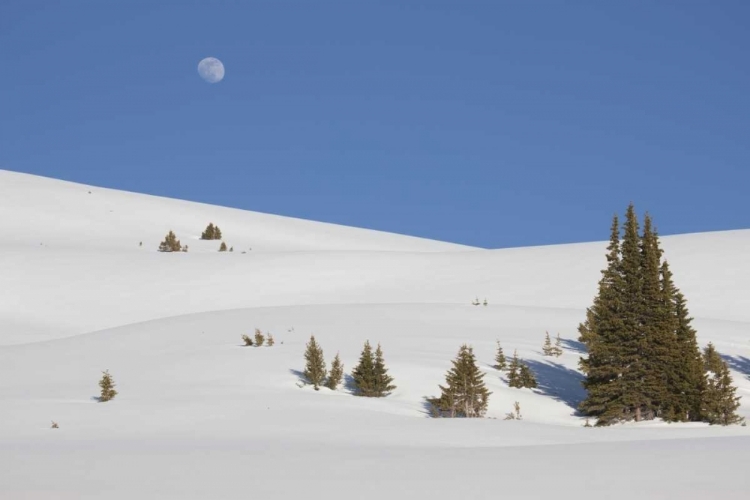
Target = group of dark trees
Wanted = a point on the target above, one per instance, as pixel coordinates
(552, 350)
(370, 377)
(172, 244)
(643, 359)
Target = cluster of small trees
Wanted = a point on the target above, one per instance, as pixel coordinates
(465, 393)
(643, 358)
(519, 374)
(258, 339)
(211, 233)
(172, 244)
(370, 377)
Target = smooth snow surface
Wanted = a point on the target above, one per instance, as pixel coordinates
(201, 417)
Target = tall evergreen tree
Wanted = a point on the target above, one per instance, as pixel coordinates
(601, 333)
(719, 400)
(688, 380)
(315, 365)
(336, 374)
(364, 375)
(464, 393)
(500, 362)
(384, 382)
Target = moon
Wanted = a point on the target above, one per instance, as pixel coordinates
(211, 70)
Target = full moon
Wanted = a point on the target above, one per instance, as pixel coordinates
(211, 70)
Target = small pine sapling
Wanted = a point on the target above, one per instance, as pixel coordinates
(185, 248)
(557, 350)
(259, 338)
(547, 349)
(107, 386)
(248, 341)
(485, 302)
(231, 249)
(336, 375)
(54, 425)
(269, 340)
(516, 413)
(500, 362)
(223, 247)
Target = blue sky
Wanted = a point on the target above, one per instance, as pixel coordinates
(489, 123)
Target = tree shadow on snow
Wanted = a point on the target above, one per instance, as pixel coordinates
(738, 363)
(559, 382)
(574, 345)
(300, 376)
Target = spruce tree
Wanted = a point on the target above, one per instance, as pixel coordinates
(688, 380)
(514, 372)
(527, 377)
(270, 340)
(600, 333)
(259, 338)
(217, 233)
(209, 233)
(336, 375)
(464, 393)
(107, 385)
(364, 376)
(712, 362)
(247, 340)
(500, 362)
(223, 247)
(384, 382)
(315, 365)
(170, 243)
(719, 400)
(547, 347)
(557, 350)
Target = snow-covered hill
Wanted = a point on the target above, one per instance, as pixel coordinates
(199, 416)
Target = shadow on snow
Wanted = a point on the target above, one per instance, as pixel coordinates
(738, 363)
(559, 382)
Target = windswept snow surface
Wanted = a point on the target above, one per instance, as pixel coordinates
(201, 417)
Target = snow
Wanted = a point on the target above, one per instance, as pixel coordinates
(200, 416)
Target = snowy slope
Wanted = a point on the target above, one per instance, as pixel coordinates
(199, 416)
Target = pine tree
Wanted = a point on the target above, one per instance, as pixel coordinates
(270, 340)
(514, 372)
(719, 400)
(527, 377)
(557, 350)
(259, 338)
(315, 365)
(248, 341)
(384, 382)
(223, 247)
(231, 249)
(547, 347)
(464, 393)
(500, 362)
(170, 243)
(185, 249)
(336, 375)
(217, 233)
(107, 386)
(365, 378)
(600, 334)
(688, 380)
(712, 362)
(209, 233)
(515, 414)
